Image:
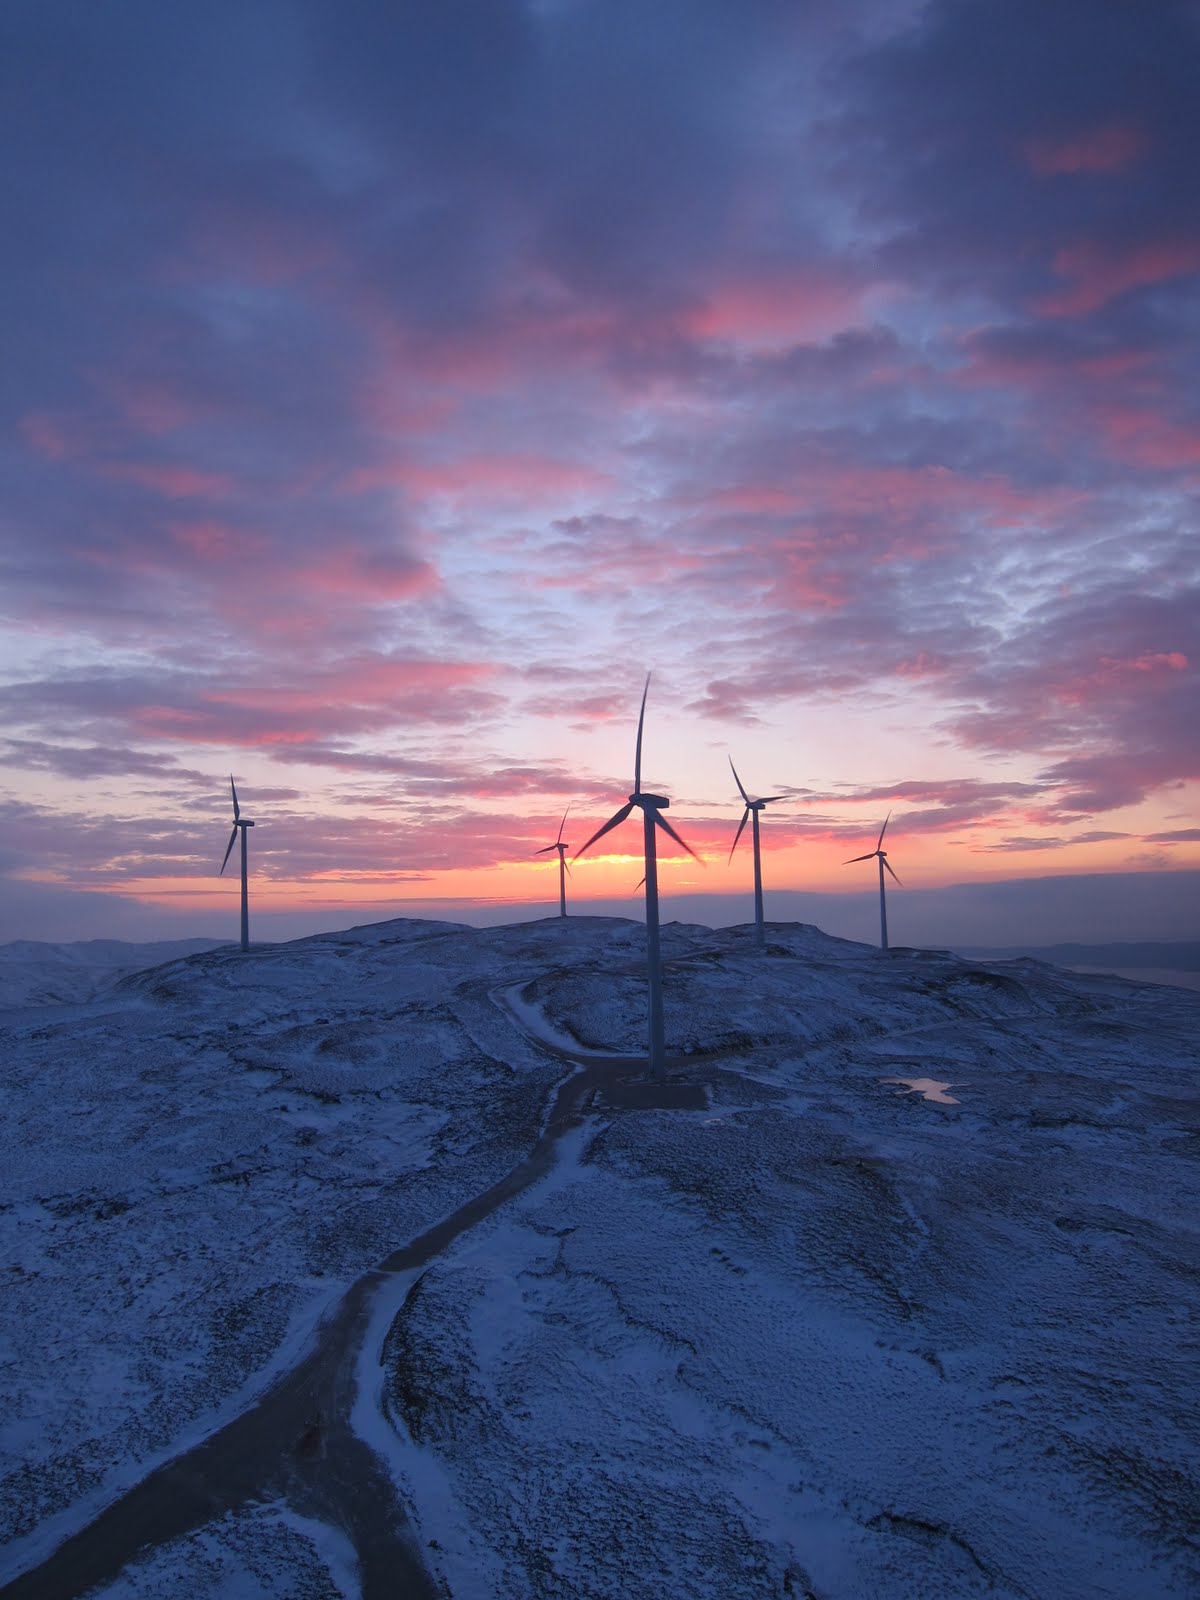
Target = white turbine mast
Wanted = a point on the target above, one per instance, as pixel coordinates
(240, 824)
(563, 868)
(881, 853)
(652, 807)
(753, 807)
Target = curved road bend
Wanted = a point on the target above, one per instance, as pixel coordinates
(296, 1444)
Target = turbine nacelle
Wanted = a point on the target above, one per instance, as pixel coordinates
(558, 843)
(651, 804)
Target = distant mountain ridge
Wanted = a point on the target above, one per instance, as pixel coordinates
(33, 972)
(1179, 956)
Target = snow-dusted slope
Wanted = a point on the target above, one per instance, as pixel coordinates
(37, 974)
(826, 1336)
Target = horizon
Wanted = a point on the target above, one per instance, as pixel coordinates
(1099, 908)
(387, 393)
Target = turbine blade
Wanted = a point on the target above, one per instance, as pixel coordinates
(613, 822)
(738, 834)
(563, 824)
(883, 830)
(853, 859)
(236, 810)
(639, 884)
(545, 849)
(667, 828)
(228, 848)
(738, 781)
(637, 753)
(770, 799)
(567, 864)
(888, 865)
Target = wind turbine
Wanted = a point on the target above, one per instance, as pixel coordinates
(243, 823)
(652, 807)
(753, 807)
(883, 862)
(563, 868)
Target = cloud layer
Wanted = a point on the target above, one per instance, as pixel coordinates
(386, 389)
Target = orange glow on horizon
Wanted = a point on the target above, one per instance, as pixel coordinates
(816, 865)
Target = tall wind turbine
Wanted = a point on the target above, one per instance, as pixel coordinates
(242, 823)
(883, 862)
(753, 807)
(563, 868)
(652, 807)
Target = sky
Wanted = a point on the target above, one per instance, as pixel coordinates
(388, 389)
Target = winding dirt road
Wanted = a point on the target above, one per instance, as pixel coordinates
(296, 1444)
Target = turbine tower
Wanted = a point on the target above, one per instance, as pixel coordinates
(883, 862)
(652, 807)
(243, 823)
(563, 868)
(753, 807)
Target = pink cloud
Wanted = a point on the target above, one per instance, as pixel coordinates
(1149, 440)
(367, 694)
(246, 243)
(401, 414)
(1113, 671)
(153, 407)
(350, 573)
(923, 667)
(1109, 147)
(609, 552)
(46, 435)
(801, 307)
(517, 476)
(1098, 274)
(905, 495)
(1040, 364)
(752, 498)
(172, 482)
(60, 436)
(215, 541)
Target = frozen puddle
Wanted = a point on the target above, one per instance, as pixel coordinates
(927, 1088)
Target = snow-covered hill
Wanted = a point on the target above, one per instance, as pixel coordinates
(37, 974)
(826, 1335)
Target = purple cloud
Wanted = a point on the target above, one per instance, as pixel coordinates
(388, 390)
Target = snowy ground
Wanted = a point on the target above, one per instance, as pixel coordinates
(828, 1337)
(36, 974)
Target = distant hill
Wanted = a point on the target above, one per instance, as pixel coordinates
(1180, 956)
(33, 973)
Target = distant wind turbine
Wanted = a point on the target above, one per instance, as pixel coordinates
(243, 823)
(753, 807)
(883, 862)
(563, 868)
(652, 808)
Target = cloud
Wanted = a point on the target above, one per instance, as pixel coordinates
(389, 389)
(1105, 147)
(1096, 274)
(1020, 845)
(93, 761)
(299, 716)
